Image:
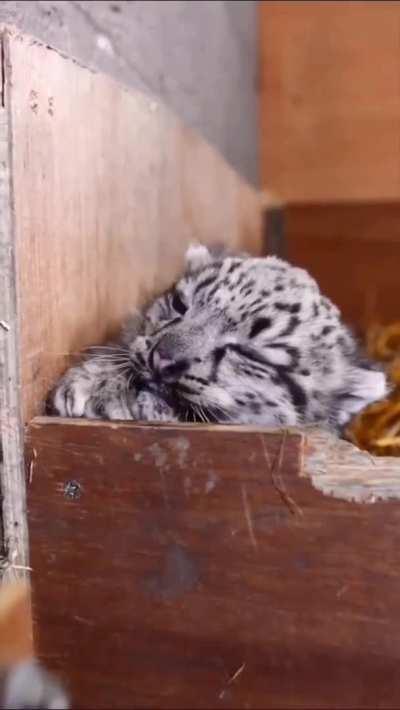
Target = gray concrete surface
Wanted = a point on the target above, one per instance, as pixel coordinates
(199, 56)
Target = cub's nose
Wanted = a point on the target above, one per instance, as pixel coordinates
(168, 368)
(161, 362)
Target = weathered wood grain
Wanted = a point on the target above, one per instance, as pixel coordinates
(339, 469)
(198, 567)
(13, 529)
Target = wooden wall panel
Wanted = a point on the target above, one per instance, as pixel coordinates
(196, 566)
(354, 253)
(330, 100)
(108, 189)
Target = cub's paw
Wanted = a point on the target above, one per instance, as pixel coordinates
(71, 397)
(149, 407)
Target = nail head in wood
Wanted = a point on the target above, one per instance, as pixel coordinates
(73, 490)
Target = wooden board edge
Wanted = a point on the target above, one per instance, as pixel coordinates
(334, 467)
(12, 482)
(41, 421)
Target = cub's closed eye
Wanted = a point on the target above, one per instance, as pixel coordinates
(259, 325)
(178, 304)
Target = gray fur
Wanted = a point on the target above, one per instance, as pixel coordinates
(237, 340)
(29, 686)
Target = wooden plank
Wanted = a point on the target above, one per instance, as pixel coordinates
(101, 190)
(12, 487)
(330, 103)
(198, 567)
(117, 188)
(359, 241)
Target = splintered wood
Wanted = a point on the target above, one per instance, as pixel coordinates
(199, 566)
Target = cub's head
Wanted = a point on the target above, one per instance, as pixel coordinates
(210, 347)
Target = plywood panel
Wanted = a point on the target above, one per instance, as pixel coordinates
(108, 188)
(198, 566)
(353, 251)
(330, 100)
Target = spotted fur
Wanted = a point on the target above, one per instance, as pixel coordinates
(236, 340)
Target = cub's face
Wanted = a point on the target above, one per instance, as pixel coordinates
(214, 348)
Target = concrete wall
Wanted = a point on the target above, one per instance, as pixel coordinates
(200, 57)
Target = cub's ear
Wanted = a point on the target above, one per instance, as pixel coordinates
(197, 256)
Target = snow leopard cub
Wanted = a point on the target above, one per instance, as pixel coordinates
(236, 340)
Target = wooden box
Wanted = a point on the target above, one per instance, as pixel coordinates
(187, 566)
(206, 567)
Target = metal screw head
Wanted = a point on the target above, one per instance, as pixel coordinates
(73, 490)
